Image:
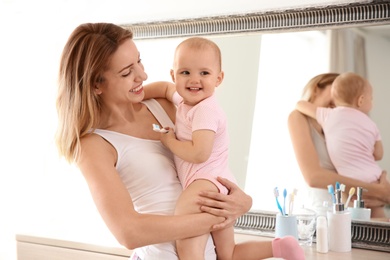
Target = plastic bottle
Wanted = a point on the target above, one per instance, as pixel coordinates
(339, 227)
(359, 211)
(322, 235)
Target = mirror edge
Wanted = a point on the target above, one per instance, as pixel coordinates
(329, 17)
(366, 235)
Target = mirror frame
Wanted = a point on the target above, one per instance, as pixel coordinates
(367, 235)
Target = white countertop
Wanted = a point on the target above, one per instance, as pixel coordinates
(112, 247)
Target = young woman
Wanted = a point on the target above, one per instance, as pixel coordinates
(105, 128)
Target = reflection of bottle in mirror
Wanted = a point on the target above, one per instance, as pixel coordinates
(359, 212)
(322, 235)
(339, 227)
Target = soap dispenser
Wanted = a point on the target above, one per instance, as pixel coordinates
(339, 226)
(359, 212)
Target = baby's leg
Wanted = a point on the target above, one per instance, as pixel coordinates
(192, 248)
(224, 243)
(286, 247)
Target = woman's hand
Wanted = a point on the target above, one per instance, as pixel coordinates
(230, 206)
(380, 193)
(373, 203)
(385, 184)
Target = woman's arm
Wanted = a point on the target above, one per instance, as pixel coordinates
(115, 205)
(230, 206)
(318, 177)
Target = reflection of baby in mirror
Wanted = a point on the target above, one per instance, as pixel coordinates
(352, 138)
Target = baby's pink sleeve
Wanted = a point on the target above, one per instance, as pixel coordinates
(322, 114)
(176, 98)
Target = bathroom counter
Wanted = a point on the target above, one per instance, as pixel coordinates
(311, 252)
(31, 246)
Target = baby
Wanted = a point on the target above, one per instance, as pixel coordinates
(200, 144)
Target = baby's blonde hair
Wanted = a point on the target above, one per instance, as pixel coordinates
(347, 88)
(200, 43)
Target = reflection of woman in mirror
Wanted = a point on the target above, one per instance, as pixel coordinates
(310, 150)
(352, 138)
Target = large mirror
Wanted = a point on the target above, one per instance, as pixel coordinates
(267, 59)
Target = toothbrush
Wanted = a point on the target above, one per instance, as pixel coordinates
(284, 201)
(337, 186)
(157, 128)
(331, 192)
(276, 193)
(342, 187)
(351, 192)
(291, 202)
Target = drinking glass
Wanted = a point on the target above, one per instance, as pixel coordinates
(306, 225)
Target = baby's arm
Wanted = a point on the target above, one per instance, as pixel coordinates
(159, 89)
(196, 151)
(306, 108)
(378, 150)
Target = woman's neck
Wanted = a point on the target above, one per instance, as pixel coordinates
(134, 121)
(114, 116)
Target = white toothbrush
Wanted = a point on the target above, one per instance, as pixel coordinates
(342, 187)
(157, 128)
(291, 201)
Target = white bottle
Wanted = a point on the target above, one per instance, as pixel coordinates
(339, 227)
(322, 235)
(359, 211)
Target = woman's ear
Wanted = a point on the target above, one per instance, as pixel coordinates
(97, 90)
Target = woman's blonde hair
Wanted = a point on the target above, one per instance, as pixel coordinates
(84, 59)
(319, 82)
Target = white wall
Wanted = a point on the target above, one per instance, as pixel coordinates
(32, 36)
(378, 61)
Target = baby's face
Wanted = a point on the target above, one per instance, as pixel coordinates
(196, 74)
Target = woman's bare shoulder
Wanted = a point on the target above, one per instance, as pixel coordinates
(169, 108)
(94, 146)
(296, 116)
(91, 139)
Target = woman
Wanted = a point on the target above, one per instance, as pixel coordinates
(107, 131)
(310, 150)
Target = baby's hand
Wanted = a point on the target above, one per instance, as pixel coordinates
(167, 135)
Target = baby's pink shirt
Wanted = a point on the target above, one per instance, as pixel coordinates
(350, 138)
(206, 115)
